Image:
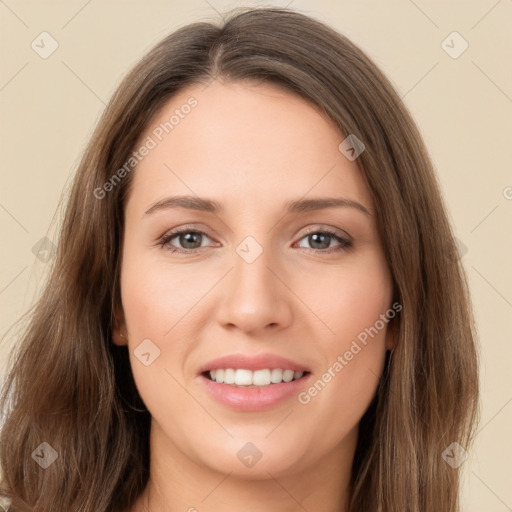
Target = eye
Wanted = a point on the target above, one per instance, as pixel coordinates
(189, 239)
(321, 240)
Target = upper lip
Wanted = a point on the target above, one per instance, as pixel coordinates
(253, 362)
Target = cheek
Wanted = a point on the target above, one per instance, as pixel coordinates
(156, 295)
(343, 389)
(350, 298)
(353, 351)
(152, 307)
(340, 396)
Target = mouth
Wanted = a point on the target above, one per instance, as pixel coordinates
(253, 382)
(244, 378)
(253, 391)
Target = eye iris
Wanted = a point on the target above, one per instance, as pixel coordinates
(190, 237)
(314, 239)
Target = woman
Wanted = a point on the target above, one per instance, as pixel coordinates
(312, 349)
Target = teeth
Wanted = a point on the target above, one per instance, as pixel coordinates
(276, 376)
(242, 377)
(229, 376)
(288, 375)
(259, 377)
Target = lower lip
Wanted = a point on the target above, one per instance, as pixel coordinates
(253, 399)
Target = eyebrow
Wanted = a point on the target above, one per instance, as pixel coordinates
(297, 206)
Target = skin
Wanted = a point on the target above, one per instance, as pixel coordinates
(252, 148)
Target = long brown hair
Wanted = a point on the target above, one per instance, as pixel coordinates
(71, 387)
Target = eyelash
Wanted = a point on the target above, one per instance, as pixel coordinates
(165, 240)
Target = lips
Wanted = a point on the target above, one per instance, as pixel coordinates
(253, 398)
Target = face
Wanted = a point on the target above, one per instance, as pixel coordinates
(254, 279)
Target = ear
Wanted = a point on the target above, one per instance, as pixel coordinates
(390, 336)
(119, 333)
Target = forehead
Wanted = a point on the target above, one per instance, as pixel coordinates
(244, 140)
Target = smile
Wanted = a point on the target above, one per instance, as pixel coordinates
(249, 378)
(253, 397)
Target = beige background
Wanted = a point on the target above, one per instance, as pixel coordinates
(463, 107)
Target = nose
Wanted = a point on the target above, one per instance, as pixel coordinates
(255, 296)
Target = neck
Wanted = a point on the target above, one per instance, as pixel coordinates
(179, 484)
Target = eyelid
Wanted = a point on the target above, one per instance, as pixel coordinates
(188, 227)
(311, 229)
(329, 229)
